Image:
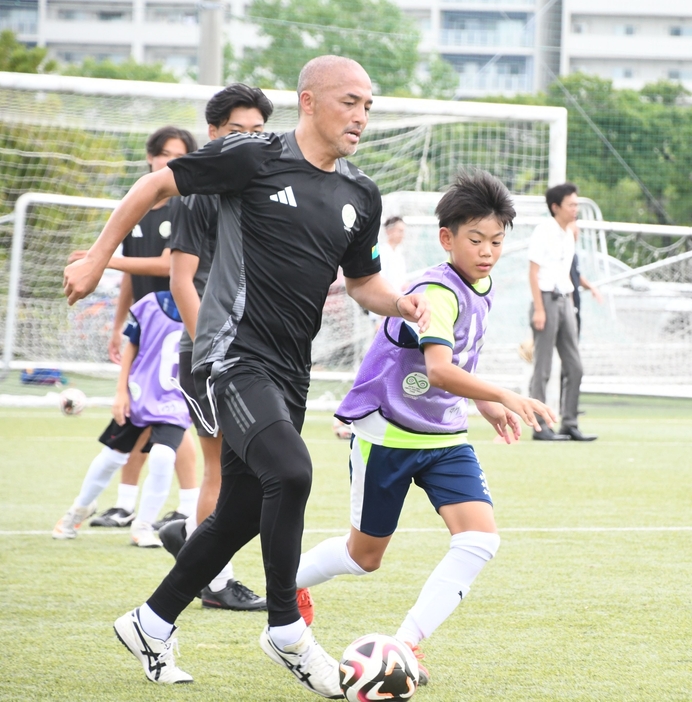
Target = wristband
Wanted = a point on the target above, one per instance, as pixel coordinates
(396, 304)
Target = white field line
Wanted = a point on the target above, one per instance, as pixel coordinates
(410, 530)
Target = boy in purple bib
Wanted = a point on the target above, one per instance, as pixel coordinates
(409, 411)
(145, 398)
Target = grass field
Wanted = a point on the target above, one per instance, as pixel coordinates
(588, 598)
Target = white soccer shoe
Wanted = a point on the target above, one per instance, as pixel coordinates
(67, 526)
(142, 535)
(155, 655)
(314, 668)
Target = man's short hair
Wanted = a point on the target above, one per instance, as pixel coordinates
(475, 195)
(391, 221)
(219, 108)
(158, 139)
(556, 194)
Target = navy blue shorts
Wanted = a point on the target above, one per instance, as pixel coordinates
(381, 477)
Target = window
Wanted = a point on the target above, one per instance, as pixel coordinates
(111, 16)
(674, 75)
(578, 28)
(675, 31)
(625, 29)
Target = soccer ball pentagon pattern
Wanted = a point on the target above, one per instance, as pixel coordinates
(341, 430)
(378, 667)
(72, 401)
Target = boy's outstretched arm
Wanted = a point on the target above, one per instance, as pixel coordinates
(442, 373)
(121, 404)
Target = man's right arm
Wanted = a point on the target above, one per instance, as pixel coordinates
(183, 269)
(82, 276)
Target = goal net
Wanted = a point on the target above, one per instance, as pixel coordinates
(79, 140)
(637, 341)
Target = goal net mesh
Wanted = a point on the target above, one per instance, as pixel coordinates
(76, 143)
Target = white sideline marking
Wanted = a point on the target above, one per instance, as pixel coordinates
(409, 530)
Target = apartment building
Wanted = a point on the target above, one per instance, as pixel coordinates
(632, 43)
(498, 47)
(165, 31)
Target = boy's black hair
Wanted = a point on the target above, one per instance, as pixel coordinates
(158, 139)
(475, 195)
(391, 221)
(556, 194)
(219, 108)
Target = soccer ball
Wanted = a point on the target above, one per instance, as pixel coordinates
(378, 667)
(341, 430)
(72, 401)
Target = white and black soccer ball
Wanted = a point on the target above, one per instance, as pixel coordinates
(341, 430)
(378, 667)
(72, 401)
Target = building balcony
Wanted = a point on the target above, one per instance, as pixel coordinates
(488, 83)
(637, 46)
(497, 39)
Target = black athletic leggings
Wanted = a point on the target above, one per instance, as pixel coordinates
(265, 496)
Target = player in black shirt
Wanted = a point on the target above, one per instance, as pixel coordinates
(291, 210)
(236, 108)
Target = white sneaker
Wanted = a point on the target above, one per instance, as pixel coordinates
(142, 535)
(155, 655)
(308, 661)
(67, 526)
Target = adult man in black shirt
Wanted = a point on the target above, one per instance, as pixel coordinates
(291, 210)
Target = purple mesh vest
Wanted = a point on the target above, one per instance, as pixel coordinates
(153, 397)
(392, 378)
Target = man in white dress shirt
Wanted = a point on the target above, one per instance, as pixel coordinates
(551, 250)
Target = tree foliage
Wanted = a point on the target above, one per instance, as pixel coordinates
(376, 33)
(15, 57)
(650, 130)
(127, 70)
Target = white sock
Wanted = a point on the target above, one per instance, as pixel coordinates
(188, 501)
(190, 525)
(221, 580)
(284, 636)
(127, 497)
(153, 625)
(99, 474)
(327, 560)
(158, 483)
(448, 583)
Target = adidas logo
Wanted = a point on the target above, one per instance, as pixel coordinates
(285, 197)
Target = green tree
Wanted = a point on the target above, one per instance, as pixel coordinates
(17, 58)
(127, 70)
(376, 33)
(442, 81)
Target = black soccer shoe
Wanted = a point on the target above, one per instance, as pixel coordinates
(113, 517)
(234, 596)
(169, 517)
(173, 535)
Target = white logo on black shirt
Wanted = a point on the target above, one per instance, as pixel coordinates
(137, 232)
(165, 229)
(285, 197)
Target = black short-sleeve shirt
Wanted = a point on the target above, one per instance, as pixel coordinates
(148, 240)
(284, 228)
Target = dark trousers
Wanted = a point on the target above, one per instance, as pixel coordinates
(559, 332)
(264, 494)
